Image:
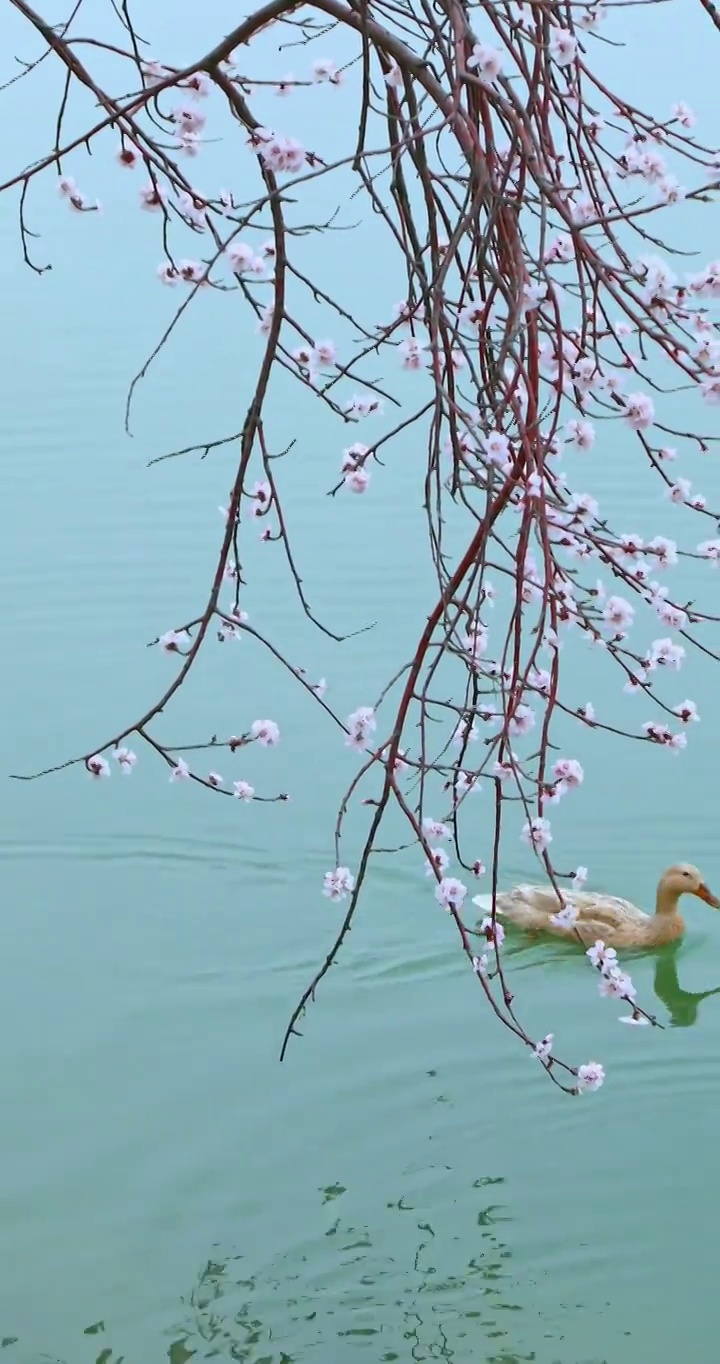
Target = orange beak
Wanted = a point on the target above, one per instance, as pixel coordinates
(703, 893)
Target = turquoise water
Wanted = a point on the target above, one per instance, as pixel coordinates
(407, 1184)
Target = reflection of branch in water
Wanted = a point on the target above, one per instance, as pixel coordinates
(682, 1005)
(425, 1305)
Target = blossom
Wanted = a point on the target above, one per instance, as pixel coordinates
(324, 353)
(181, 771)
(580, 876)
(522, 721)
(172, 639)
(394, 77)
(544, 1048)
(683, 114)
(565, 917)
(152, 197)
(411, 353)
(97, 766)
(590, 1077)
(214, 779)
(587, 713)
(324, 70)
(618, 613)
(434, 828)
(536, 833)
(616, 984)
(361, 724)
(242, 790)
(487, 61)
(280, 153)
(127, 155)
(563, 47)
(242, 258)
(188, 118)
(665, 654)
(601, 956)
(494, 932)
(581, 434)
(357, 480)
(125, 759)
(569, 771)
(687, 710)
(710, 549)
(639, 411)
(266, 732)
(450, 893)
(438, 861)
(338, 883)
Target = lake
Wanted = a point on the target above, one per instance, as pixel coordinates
(407, 1184)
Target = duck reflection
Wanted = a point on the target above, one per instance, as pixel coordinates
(682, 1005)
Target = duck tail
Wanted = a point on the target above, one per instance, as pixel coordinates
(483, 902)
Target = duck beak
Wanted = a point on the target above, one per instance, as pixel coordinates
(703, 893)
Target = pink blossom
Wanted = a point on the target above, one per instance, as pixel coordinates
(451, 893)
(569, 771)
(168, 273)
(282, 154)
(563, 47)
(338, 884)
(639, 411)
(394, 77)
(683, 114)
(710, 549)
(565, 917)
(241, 257)
(357, 480)
(324, 70)
(125, 758)
(361, 724)
(522, 721)
(198, 84)
(97, 766)
(173, 640)
(181, 771)
(437, 862)
(188, 118)
(434, 828)
(581, 434)
(687, 710)
(487, 61)
(324, 353)
(590, 1077)
(544, 1048)
(537, 834)
(266, 732)
(152, 197)
(618, 613)
(242, 790)
(214, 779)
(580, 876)
(601, 956)
(494, 932)
(411, 353)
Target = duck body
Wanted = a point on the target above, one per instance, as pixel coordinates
(617, 922)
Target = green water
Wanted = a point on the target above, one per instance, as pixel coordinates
(407, 1185)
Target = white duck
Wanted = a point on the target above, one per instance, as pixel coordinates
(617, 922)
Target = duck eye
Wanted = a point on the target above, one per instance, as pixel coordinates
(686, 873)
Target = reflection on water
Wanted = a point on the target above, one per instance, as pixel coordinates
(418, 1285)
(682, 1005)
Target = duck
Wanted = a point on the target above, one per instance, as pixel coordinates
(616, 922)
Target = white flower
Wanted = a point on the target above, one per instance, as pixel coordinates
(687, 710)
(172, 640)
(616, 984)
(544, 1048)
(338, 883)
(569, 771)
(522, 721)
(618, 613)
(480, 965)
(601, 956)
(180, 771)
(536, 833)
(434, 828)
(125, 758)
(361, 725)
(214, 779)
(639, 411)
(494, 932)
(266, 732)
(451, 893)
(580, 876)
(438, 861)
(243, 790)
(487, 61)
(97, 766)
(581, 434)
(590, 1077)
(565, 917)
(563, 47)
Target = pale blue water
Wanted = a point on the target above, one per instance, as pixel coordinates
(407, 1185)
